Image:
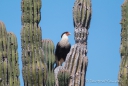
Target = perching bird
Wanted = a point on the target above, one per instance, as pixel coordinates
(62, 49)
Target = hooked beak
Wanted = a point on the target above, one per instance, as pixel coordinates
(69, 33)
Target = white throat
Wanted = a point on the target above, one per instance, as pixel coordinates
(64, 41)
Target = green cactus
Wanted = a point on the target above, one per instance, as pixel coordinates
(48, 47)
(13, 66)
(34, 67)
(9, 68)
(63, 77)
(3, 55)
(31, 11)
(82, 18)
(123, 73)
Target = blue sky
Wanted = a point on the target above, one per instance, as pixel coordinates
(56, 17)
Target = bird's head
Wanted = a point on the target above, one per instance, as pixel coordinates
(65, 34)
(64, 39)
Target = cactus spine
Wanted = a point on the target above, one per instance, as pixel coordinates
(123, 73)
(9, 68)
(34, 67)
(48, 47)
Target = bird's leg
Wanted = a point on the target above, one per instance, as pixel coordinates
(61, 61)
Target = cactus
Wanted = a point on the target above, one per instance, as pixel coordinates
(123, 73)
(63, 77)
(76, 63)
(82, 18)
(9, 68)
(34, 67)
(3, 55)
(13, 66)
(48, 47)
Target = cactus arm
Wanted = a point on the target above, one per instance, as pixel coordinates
(48, 47)
(123, 73)
(3, 54)
(82, 18)
(63, 77)
(13, 67)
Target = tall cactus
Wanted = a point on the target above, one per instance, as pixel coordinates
(48, 47)
(62, 76)
(34, 67)
(76, 60)
(9, 68)
(13, 66)
(123, 73)
(3, 55)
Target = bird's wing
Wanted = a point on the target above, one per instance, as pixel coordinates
(57, 48)
(68, 48)
(58, 54)
(61, 51)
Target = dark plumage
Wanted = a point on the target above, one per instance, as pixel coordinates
(62, 49)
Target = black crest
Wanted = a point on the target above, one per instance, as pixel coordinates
(64, 33)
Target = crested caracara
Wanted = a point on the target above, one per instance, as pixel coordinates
(62, 49)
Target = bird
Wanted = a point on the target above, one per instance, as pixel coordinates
(62, 48)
